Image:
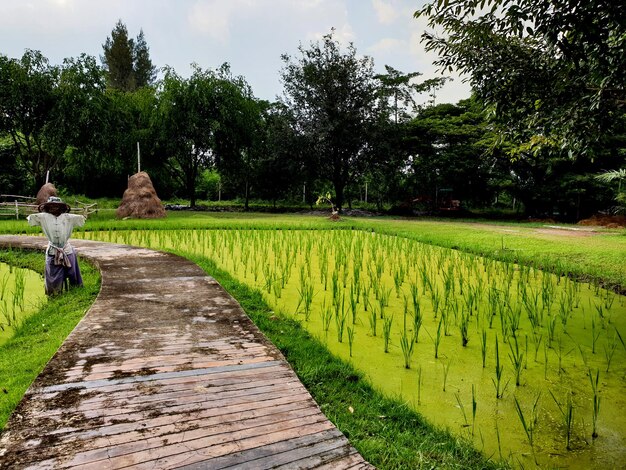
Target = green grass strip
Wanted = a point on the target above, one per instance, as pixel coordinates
(24, 356)
(385, 431)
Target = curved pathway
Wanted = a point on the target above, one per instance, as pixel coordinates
(166, 371)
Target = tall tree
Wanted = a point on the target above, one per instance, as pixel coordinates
(552, 72)
(196, 118)
(333, 96)
(401, 88)
(144, 69)
(127, 61)
(118, 59)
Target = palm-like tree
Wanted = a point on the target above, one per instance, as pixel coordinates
(613, 175)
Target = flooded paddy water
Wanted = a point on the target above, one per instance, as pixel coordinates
(21, 294)
(529, 366)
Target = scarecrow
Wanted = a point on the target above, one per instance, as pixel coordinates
(57, 225)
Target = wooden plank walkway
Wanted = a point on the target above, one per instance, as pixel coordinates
(166, 371)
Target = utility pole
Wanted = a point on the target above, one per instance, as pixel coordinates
(138, 159)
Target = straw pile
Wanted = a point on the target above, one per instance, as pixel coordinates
(140, 200)
(45, 192)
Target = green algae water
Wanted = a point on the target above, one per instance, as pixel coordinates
(21, 294)
(528, 366)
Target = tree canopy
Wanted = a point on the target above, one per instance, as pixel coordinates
(551, 72)
(333, 96)
(127, 61)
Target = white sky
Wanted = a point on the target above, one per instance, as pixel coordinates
(249, 34)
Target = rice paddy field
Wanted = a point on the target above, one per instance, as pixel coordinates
(21, 295)
(527, 364)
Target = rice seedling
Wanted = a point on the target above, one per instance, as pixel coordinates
(595, 335)
(567, 414)
(595, 401)
(373, 319)
(529, 424)
(498, 439)
(327, 316)
(350, 331)
(517, 360)
(419, 385)
(551, 329)
(387, 323)
(435, 298)
(340, 319)
(474, 408)
(354, 300)
(446, 370)
(483, 346)
(407, 343)
(498, 381)
(464, 328)
(437, 340)
(537, 338)
(417, 319)
(462, 408)
(3, 284)
(609, 298)
(609, 351)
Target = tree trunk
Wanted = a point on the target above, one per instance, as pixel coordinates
(339, 187)
(247, 198)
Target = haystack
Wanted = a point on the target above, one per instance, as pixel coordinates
(45, 192)
(140, 200)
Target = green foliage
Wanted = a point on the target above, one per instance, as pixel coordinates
(127, 61)
(332, 95)
(29, 111)
(547, 70)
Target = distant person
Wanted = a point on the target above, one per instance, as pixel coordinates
(57, 225)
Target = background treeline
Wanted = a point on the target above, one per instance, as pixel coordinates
(339, 129)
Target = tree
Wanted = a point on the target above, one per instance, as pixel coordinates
(127, 61)
(280, 169)
(333, 97)
(238, 138)
(551, 72)
(447, 149)
(118, 59)
(145, 71)
(400, 89)
(28, 112)
(620, 195)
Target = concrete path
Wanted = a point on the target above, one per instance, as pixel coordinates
(166, 371)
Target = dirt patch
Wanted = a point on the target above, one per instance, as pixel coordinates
(608, 221)
(68, 398)
(566, 232)
(122, 374)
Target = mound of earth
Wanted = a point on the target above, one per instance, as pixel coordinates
(609, 221)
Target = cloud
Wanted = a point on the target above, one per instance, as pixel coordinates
(386, 45)
(385, 12)
(212, 18)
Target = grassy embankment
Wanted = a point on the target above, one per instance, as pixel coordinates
(37, 339)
